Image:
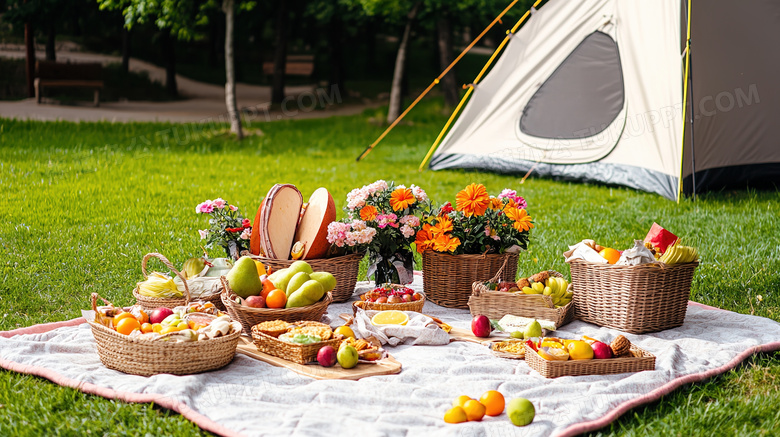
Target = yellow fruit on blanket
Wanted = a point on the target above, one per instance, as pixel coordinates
(475, 411)
(455, 415)
(460, 400)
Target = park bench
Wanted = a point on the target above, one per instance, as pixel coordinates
(296, 65)
(50, 74)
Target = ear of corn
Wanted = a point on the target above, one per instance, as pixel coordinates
(159, 286)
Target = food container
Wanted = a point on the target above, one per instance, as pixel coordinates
(639, 360)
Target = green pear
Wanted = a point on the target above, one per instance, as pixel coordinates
(298, 299)
(276, 274)
(301, 266)
(295, 283)
(327, 280)
(347, 356)
(283, 279)
(243, 278)
(313, 290)
(534, 329)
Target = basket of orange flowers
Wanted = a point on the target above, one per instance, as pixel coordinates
(471, 242)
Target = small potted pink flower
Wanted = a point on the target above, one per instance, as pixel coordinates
(227, 228)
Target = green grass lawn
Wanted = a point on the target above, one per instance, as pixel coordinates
(82, 203)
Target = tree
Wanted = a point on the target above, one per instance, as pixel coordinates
(185, 20)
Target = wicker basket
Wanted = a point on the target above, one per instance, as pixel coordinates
(496, 304)
(147, 357)
(415, 306)
(149, 303)
(639, 361)
(635, 299)
(447, 279)
(250, 317)
(343, 268)
(297, 353)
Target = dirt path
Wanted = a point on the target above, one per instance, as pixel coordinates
(205, 102)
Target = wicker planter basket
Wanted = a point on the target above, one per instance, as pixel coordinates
(147, 357)
(447, 279)
(343, 268)
(639, 361)
(249, 317)
(634, 299)
(297, 353)
(149, 303)
(496, 304)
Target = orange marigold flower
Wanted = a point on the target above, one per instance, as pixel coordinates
(445, 243)
(424, 240)
(401, 198)
(510, 204)
(496, 203)
(368, 213)
(442, 226)
(472, 200)
(522, 221)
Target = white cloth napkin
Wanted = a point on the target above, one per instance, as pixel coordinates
(420, 329)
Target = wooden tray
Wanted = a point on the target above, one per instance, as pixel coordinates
(387, 366)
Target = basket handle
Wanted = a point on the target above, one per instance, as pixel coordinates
(94, 298)
(170, 266)
(500, 271)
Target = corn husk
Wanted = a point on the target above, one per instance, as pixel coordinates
(160, 286)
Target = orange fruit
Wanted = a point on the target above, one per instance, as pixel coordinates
(268, 287)
(611, 255)
(121, 316)
(260, 268)
(142, 317)
(475, 411)
(146, 328)
(276, 299)
(128, 325)
(455, 415)
(493, 402)
(460, 400)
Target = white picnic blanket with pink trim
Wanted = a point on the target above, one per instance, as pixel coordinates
(249, 397)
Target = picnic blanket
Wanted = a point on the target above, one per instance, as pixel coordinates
(249, 397)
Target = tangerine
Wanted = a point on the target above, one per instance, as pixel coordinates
(128, 325)
(493, 402)
(475, 411)
(147, 328)
(460, 400)
(455, 415)
(121, 316)
(611, 255)
(276, 299)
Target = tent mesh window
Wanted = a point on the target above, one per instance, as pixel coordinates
(582, 97)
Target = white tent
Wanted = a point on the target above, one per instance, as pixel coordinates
(593, 90)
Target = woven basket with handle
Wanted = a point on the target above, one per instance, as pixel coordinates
(635, 299)
(150, 357)
(344, 268)
(250, 317)
(638, 361)
(447, 279)
(496, 304)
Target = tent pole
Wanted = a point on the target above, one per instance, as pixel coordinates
(685, 101)
(436, 81)
(692, 117)
(476, 81)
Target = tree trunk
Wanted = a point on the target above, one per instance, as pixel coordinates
(280, 56)
(29, 65)
(230, 75)
(336, 52)
(396, 92)
(449, 85)
(125, 49)
(170, 63)
(51, 39)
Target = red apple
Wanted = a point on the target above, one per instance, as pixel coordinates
(381, 299)
(407, 298)
(159, 314)
(601, 350)
(326, 356)
(394, 299)
(480, 326)
(255, 301)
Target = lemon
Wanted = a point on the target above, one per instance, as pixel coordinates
(344, 330)
(580, 350)
(390, 317)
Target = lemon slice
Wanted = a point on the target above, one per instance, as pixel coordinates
(390, 317)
